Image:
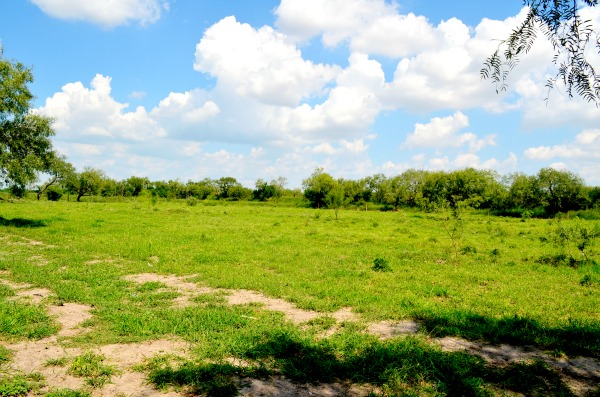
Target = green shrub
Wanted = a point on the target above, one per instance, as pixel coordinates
(381, 265)
(54, 193)
(192, 201)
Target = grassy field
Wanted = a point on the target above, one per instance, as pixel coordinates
(497, 284)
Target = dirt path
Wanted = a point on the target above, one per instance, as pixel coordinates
(580, 373)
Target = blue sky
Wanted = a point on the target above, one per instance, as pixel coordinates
(183, 89)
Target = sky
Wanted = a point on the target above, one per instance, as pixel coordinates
(194, 89)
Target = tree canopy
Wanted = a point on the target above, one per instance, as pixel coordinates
(571, 36)
(25, 145)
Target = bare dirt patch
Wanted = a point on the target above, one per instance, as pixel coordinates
(391, 329)
(580, 373)
(188, 290)
(70, 316)
(282, 387)
(25, 291)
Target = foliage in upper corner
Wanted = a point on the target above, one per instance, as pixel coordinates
(560, 21)
(25, 145)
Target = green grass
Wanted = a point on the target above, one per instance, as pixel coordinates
(91, 367)
(493, 286)
(19, 385)
(67, 393)
(21, 320)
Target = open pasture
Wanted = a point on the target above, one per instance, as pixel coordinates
(256, 291)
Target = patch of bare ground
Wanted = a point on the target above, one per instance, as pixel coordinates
(580, 373)
(188, 290)
(25, 291)
(27, 241)
(391, 329)
(39, 260)
(34, 356)
(281, 387)
(70, 316)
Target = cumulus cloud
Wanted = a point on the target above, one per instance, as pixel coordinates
(187, 107)
(92, 112)
(444, 132)
(106, 13)
(259, 63)
(585, 146)
(582, 155)
(335, 20)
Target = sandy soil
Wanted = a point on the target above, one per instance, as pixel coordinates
(580, 373)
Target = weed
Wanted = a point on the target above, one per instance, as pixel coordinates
(4, 355)
(19, 385)
(586, 281)
(322, 323)
(468, 249)
(68, 393)
(91, 366)
(381, 265)
(56, 362)
(576, 234)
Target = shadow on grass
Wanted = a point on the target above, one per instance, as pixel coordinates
(20, 222)
(211, 380)
(573, 339)
(397, 367)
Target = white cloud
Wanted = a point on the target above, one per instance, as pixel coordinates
(582, 155)
(106, 13)
(259, 63)
(352, 105)
(335, 20)
(472, 160)
(585, 146)
(188, 107)
(444, 132)
(92, 112)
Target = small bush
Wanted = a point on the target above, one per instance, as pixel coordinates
(468, 250)
(192, 201)
(54, 193)
(381, 265)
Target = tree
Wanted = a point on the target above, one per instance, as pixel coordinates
(225, 185)
(59, 170)
(335, 198)
(25, 145)
(561, 22)
(560, 191)
(317, 186)
(524, 192)
(86, 183)
(135, 185)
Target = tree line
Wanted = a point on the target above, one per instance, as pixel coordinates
(546, 193)
(26, 154)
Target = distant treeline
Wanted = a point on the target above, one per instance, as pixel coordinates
(547, 193)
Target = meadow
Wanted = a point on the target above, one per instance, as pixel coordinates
(489, 279)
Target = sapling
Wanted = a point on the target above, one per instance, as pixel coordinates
(578, 234)
(454, 225)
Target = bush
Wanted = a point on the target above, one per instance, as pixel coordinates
(54, 193)
(192, 201)
(381, 265)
